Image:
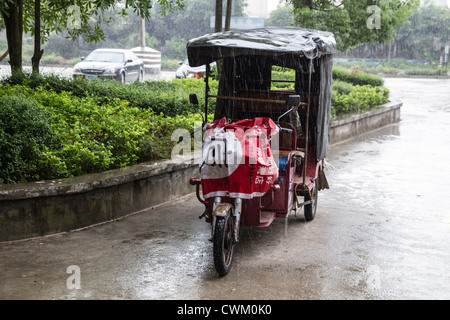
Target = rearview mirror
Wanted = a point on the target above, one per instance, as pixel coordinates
(293, 100)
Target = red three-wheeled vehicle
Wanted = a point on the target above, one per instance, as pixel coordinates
(263, 154)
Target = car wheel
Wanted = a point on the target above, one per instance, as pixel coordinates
(122, 77)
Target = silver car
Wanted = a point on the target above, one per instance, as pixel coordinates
(119, 64)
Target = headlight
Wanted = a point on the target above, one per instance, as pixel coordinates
(109, 71)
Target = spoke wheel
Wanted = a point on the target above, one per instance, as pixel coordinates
(223, 244)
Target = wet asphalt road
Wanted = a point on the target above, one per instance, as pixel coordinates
(381, 232)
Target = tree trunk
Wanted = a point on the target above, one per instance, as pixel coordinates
(218, 24)
(142, 33)
(37, 37)
(228, 15)
(308, 3)
(389, 52)
(13, 18)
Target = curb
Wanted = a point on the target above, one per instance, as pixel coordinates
(342, 130)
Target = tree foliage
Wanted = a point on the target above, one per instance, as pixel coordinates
(354, 22)
(426, 31)
(422, 37)
(281, 17)
(168, 33)
(79, 17)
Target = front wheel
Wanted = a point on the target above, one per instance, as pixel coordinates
(310, 209)
(223, 244)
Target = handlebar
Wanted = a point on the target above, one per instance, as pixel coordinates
(284, 129)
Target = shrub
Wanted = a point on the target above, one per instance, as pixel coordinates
(343, 87)
(279, 73)
(170, 98)
(360, 99)
(82, 134)
(418, 71)
(25, 132)
(357, 77)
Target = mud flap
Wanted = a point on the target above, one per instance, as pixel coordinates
(322, 182)
(222, 209)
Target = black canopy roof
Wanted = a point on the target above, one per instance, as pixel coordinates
(263, 41)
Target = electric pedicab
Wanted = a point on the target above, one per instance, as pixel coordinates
(263, 154)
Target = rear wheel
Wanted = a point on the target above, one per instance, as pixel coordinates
(223, 244)
(310, 209)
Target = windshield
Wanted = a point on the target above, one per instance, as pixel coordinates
(105, 56)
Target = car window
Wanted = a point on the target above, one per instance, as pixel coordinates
(105, 56)
(133, 56)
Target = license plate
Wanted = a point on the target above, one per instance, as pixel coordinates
(91, 77)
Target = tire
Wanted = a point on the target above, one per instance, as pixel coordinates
(223, 248)
(310, 209)
(141, 76)
(122, 77)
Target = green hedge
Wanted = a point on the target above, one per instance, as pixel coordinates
(358, 99)
(25, 133)
(170, 98)
(49, 135)
(357, 77)
(353, 91)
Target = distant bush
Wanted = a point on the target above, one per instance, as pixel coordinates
(353, 91)
(169, 64)
(357, 77)
(279, 73)
(52, 58)
(425, 72)
(354, 76)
